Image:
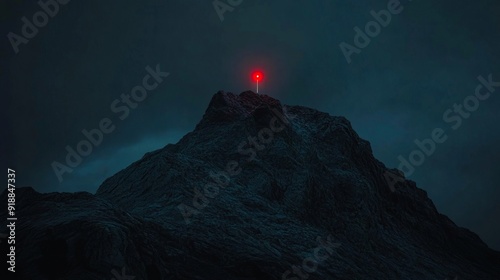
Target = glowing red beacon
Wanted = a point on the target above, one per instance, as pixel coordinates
(257, 77)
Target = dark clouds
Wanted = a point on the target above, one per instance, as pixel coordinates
(395, 91)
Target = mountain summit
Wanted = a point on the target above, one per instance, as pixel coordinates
(258, 190)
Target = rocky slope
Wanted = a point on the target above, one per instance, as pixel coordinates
(259, 190)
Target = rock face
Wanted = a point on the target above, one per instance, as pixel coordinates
(259, 190)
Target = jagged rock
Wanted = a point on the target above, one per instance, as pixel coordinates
(214, 206)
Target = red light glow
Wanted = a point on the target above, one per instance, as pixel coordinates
(257, 76)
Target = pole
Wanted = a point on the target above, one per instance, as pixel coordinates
(257, 86)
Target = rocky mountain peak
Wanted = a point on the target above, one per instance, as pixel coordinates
(251, 193)
(228, 107)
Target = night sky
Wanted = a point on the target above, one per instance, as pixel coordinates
(395, 90)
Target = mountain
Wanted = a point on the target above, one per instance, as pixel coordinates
(258, 190)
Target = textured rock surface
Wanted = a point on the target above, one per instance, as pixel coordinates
(172, 215)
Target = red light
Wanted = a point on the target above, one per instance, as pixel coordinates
(257, 76)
